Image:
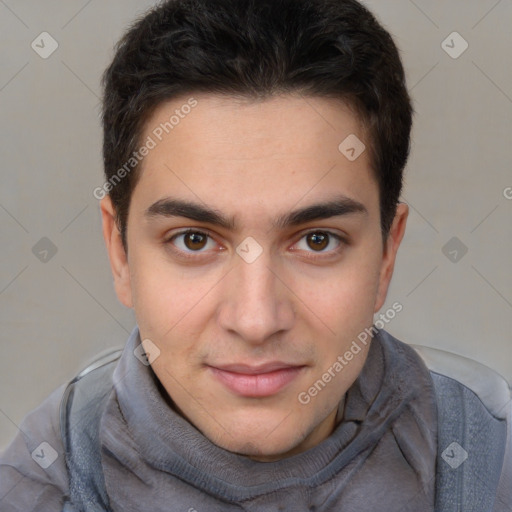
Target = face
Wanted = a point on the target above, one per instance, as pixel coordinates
(255, 258)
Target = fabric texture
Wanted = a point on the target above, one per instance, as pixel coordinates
(467, 480)
(24, 485)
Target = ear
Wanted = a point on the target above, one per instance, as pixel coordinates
(116, 252)
(396, 233)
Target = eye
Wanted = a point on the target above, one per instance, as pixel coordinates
(319, 241)
(195, 242)
(191, 241)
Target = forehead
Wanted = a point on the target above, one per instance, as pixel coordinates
(230, 124)
(221, 149)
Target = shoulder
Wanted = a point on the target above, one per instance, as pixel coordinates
(33, 474)
(33, 468)
(474, 426)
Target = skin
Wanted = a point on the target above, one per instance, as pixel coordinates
(254, 161)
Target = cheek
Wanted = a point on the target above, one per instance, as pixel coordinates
(162, 295)
(345, 297)
(154, 301)
(172, 310)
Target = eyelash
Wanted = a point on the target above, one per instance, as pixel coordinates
(194, 254)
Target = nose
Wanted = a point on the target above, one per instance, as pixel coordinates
(256, 304)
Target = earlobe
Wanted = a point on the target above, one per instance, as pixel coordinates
(116, 252)
(396, 234)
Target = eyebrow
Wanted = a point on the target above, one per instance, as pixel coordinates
(173, 207)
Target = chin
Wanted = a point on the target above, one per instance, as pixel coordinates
(261, 450)
(265, 444)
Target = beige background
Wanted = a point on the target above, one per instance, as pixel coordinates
(56, 315)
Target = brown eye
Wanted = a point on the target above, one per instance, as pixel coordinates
(192, 241)
(195, 240)
(318, 240)
(321, 244)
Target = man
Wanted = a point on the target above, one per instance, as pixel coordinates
(253, 156)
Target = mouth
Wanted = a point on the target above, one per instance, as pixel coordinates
(256, 381)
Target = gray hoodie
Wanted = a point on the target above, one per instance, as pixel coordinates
(381, 456)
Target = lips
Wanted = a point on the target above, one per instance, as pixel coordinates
(256, 381)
